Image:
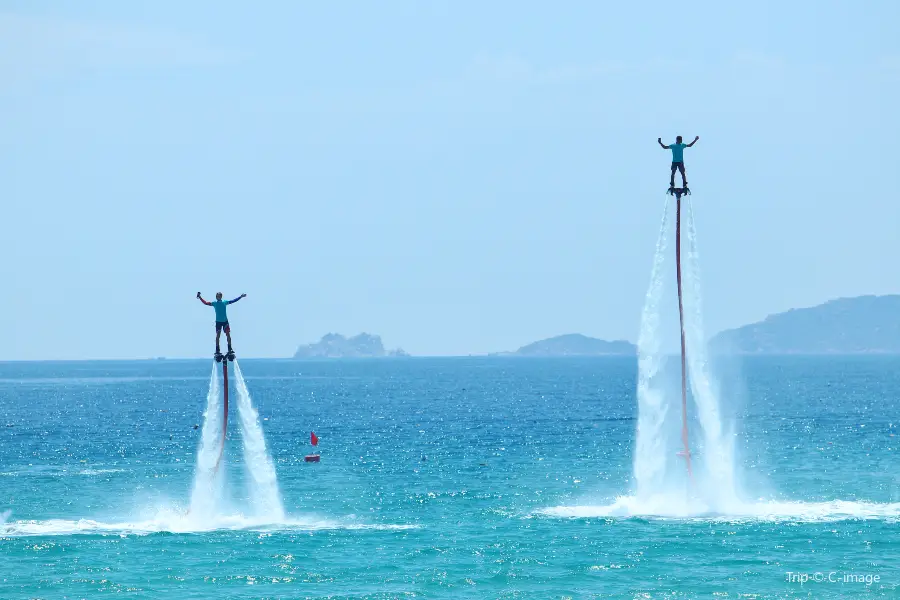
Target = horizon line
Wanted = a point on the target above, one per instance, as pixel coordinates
(514, 355)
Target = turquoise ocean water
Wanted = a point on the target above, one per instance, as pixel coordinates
(444, 478)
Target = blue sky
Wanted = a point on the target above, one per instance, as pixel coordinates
(458, 177)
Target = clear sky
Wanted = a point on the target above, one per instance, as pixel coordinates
(458, 177)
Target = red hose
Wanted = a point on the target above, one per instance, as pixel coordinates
(225, 415)
(684, 430)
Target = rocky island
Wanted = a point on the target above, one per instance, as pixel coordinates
(335, 345)
(575, 344)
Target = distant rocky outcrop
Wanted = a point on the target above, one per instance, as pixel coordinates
(576, 344)
(334, 345)
(860, 325)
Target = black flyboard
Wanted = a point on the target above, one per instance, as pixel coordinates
(220, 357)
(679, 192)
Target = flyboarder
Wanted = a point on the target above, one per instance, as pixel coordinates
(221, 320)
(678, 158)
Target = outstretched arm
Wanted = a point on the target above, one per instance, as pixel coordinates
(202, 300)
(236, 299)
(661, 144)
(697, 137)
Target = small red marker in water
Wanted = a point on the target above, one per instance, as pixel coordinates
(315, 442)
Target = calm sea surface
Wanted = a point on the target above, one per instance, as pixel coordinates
(443, 478)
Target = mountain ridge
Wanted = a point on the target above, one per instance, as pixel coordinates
(866, 324)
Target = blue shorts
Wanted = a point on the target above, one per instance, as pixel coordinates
(220, 326)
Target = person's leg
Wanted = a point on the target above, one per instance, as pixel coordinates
(683, 176)
(672, 179)
(228, 336)
(218, 336)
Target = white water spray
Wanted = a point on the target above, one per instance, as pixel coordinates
(652, 443)
(660, 475)
(206, 497)
(265, 495)
(718, 449)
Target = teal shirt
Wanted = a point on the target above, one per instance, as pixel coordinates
(219, 305)
(221, 316)
(678, 152)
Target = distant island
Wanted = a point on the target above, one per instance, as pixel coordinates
(334, 345)
(860, 325)
(574, 344)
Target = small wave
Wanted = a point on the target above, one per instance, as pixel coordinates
(182, 522)
(772, 511)
(99, 471)
(59, 472)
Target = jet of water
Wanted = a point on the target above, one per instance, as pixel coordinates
(652, 443)
(206, 497)
(718, 449)
(265, 495)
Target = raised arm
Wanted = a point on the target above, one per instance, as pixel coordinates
(697, 137)
(236, 299)
(661, 144)
(202, 300)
